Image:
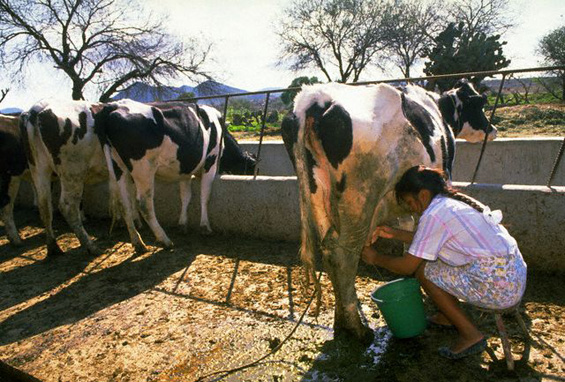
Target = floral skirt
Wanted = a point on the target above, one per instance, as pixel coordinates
(491, 282)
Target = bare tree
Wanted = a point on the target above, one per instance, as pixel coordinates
(107, 43)
(483, 16)
(4, 94)
(526, 84)
(410, 28)
(338, 37)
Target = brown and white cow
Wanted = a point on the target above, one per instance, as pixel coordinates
(12, 167)
(170, 141)
(350, 145)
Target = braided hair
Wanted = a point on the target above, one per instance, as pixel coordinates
(419, 178)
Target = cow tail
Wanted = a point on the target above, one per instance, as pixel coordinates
(310, 235)
(100, 128)
(113, 186)
(308, 250)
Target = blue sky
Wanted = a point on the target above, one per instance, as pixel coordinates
(246, 47)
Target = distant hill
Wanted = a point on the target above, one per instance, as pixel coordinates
(146, 93)
(11, 110)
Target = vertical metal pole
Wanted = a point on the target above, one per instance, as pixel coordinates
(225, 115)
(490, 124)
(267, 96)
(224, 132)
(556, 163)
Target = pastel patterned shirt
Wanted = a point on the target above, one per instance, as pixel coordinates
(456, 233)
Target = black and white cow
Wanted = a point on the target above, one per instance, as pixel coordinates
(350, 145)
(59, 139)
(12, 167)
(172, 141)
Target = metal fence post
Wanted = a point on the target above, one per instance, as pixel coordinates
(556, 163)
(267, 96)
(490, 124)
(224, 131)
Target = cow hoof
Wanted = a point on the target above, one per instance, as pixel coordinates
(205, 231)
(53, 250)
(183, 228)
(94, 251)
(140, 249)
(365, 336)
(16, 242)
(166, 244)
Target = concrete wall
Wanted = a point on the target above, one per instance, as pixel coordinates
(510, 161)
(267, 206)
(505, 161)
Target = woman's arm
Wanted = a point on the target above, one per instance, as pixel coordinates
(393, 233)
(407, 264)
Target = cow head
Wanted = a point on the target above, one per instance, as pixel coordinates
(462, 109)
(234, 160)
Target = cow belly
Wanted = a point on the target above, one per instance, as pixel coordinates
(168, 165)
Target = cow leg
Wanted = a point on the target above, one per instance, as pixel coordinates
(7, 212)
(69, 204)
(115, 207)
(127, 206)
(341, 260)
(185, 196)
(205, 190)
(131, 192)
(145, 186)
(42, 181)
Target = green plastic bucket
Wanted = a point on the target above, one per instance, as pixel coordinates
(401, 305)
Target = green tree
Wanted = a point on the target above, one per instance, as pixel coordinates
(186, 96)
(338, 37)
(104, 43)
(288, 96)
(457, 50)
(552, 48)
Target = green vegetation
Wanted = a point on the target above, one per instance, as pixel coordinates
(515, 99)
(543, 116)
(246, 121)
(459, 50)
(552, 48)
(531, 120)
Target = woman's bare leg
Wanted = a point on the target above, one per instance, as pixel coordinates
(449, 307)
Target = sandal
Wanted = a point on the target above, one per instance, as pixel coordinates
(476, 348)
(437, 325)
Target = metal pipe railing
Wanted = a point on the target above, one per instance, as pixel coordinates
(483, 147)
(488, 73)
(556, 163)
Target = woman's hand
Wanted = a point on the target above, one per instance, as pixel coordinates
(369, 255)
(384, 231)
(392, 233)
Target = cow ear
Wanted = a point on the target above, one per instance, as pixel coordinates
(461, 82)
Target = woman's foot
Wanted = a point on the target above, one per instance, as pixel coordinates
(440, 320)
(459, 351)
